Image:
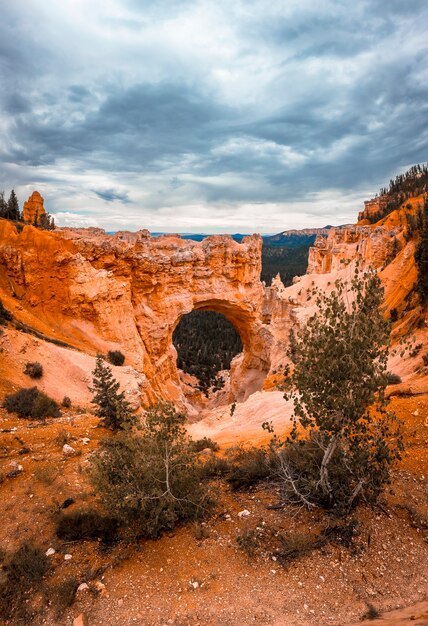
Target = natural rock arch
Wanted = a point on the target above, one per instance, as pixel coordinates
(127, 291)
(250, 368)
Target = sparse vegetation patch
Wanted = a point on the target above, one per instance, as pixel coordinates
(31, 403)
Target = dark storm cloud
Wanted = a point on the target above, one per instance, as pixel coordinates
(111, 195)
(132, 129)
(211, 104)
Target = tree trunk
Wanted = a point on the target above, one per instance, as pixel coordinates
(324, 479)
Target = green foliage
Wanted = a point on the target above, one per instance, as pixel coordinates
(286, 262)
(393, 315)
(22, 570)
(295, 545)
(30, 402)
(216, 467)
(201, 444)
(10, 209)
(33, 369)
(64, 594)
(66, 402)
(80, 525)
(248, 466)
(393, 379)
(338, 388)
(3, 205)
(45, 222)
(206, 342)
(5, 316)
(113, 410)
(29, 562)
(116, 357)
(151, 481)
(414, 182)
(421, 257)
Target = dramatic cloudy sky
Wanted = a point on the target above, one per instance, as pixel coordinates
(213, 116)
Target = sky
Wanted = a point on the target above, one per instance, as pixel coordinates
(199, 116)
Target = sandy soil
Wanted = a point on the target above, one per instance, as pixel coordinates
(151, 582)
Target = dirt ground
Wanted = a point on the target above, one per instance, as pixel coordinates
(183, 579)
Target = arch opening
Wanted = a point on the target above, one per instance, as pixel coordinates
(206, 343)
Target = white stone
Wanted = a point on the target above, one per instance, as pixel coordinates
(244, 513)
(50, 552)
(68, 450)
(83, 587)
(67, 557)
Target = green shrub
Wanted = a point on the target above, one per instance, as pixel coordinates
(151, 482)
(64, 594)
(5, 316)
(393, 315)
(22, 570)
(202, 444)
(295, 546)
(32, 403)
(393, 379)
(416, 349)
(116, 357)
(66, 402)
(297, 468)
(216, 466)
(80, 525)
(33, 369)
(372, 612)
(249, 541)
(28, 563)
(248, 466)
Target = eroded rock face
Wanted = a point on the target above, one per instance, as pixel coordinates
(128, 291)
(33, 208)
(370, 244)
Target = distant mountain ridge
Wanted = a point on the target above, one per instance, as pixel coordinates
(296, 238)
(293, 238)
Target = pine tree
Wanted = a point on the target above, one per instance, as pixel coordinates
(113, 410)
(3, 205)
(13, 212)
(46, 222)
(421, 256)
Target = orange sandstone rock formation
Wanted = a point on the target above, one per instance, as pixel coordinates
(128, 291)
(33, 208)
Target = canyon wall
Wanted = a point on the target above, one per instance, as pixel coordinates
(128, 291)
(96, 292)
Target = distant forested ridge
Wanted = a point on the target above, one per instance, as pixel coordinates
(206, 343)
(287, 262)
(412, 183)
